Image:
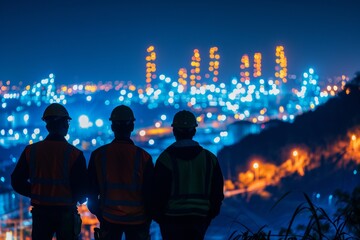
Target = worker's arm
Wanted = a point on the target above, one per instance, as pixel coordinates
(79, 179)
(147, 185)
(217, 191)
(20, 177)
(94, 189)
(161, 189)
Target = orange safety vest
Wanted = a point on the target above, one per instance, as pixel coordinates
(120, 169)
(50, 163)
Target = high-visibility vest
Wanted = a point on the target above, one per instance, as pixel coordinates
(120, 169)
(50, 164)
(191, 184)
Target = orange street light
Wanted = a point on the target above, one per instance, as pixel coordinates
(353, 137)
(256, 167)
(295, 153)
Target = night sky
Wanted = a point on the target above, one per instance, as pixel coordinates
(104, 40)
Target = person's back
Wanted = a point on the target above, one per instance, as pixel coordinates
(53, 174)
(188, 184)
(120, 177)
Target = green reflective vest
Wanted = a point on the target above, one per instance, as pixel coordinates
(191, 183)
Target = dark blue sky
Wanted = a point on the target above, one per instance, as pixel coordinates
(106, 40)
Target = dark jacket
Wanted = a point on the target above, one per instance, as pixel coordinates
(23, 182)
(163, 177)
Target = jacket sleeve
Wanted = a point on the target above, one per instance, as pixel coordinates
(94, 189)
(79, 179)
(20, 177)
(147, 185)
(161, 189)
(217, 191)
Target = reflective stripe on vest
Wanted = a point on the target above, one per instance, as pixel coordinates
(47, 190)
(191, 185)
(123, 201)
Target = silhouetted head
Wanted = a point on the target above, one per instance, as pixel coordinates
(57, 119)
(122, 121)
(184, 125)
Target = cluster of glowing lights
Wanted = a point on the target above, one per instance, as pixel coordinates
(299, 160)
(182, 76)
(4, 88)
(244, 66)
(214, 63)
(174, 93)
(281, 65)
(195, 68)
(257, 65)
(150, 64)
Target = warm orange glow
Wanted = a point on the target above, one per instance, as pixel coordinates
(300, 160)
(353, 137)
(295, 153)
(281, 109)
(150, 48)
(158, 131)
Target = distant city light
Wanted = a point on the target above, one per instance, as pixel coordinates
(84, 121)
(99, 122)
(162, 77)
(224, 134)
(26, 117)
(142, 133)
(76, 142)
(295, 153)
(330, 199)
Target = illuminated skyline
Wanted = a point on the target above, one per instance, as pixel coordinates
(105, 41)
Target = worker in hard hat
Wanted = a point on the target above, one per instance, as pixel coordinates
(52, 173)
(120, 176)
(188, 184)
